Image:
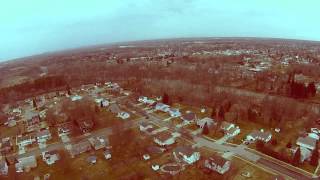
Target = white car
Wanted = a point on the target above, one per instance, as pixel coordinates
(123, 115)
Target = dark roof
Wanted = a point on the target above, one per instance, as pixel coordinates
(263, 135)
(189, 116)
(163, 136)
(154, 150)
(186, 150)
(218, 160)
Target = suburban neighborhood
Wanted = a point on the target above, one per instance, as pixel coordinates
(176, 137)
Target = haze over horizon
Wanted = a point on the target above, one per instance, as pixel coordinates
(37, 26)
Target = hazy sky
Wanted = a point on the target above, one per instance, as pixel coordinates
(35, 26)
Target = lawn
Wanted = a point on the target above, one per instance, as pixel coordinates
(255, 172)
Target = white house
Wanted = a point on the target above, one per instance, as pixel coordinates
(306, 142)
(218, 164)
(50, 157)
(22, 141)
(164, 139)
(142, 99)
(259, 135)
(210, 122)
(26, 163)
(233, 131)
(162, 107)
(123, 115)
(150, 101)
(174, 112)
(186, 154)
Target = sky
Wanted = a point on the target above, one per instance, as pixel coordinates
(29, 27)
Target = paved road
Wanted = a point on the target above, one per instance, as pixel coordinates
(282, 169)
(224, 148)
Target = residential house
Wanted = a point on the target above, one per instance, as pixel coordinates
(142, 99)
(164, 139)
(114, 108)
(98, 142)
(80, 147)
(151, 131)
(186, 154)
(65, 129)
(155, 150)
(218, 164)
(11, 122)
(102, 102)
(17, 111)
(6, 145)
(33, 123)
(232, 131)
(143, 126)
(174, 112)
(43, 136)
(206, 121)
(189, 117)
(150, 102)
(26, 163)
(162, 107)
(22, 141)
(259, 135)
(306, 142)
(123, 115)
(85, 125)
(3, 166)
(50, 157)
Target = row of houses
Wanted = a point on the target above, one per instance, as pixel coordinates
(41, 136)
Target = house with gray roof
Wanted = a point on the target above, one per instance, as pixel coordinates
(217, 164)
